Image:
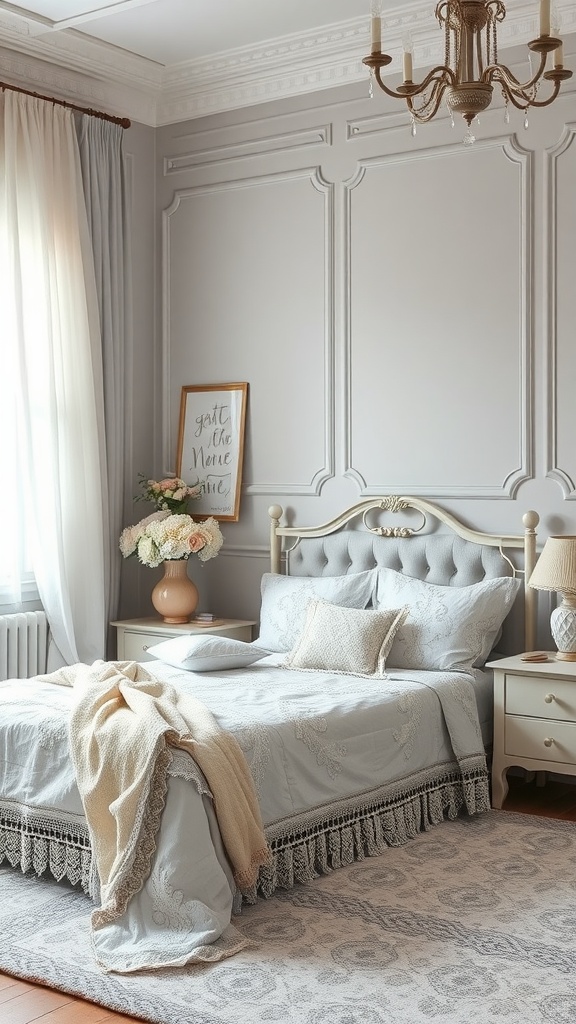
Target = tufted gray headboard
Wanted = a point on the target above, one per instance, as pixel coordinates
(360, 538)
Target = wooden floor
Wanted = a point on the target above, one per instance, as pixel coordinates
(22, 1002)
(554, 800)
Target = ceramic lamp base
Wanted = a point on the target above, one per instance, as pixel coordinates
(563, 629)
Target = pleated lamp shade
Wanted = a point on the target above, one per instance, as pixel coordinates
(556, 570)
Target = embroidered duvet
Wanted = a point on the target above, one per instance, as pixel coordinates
(342, 766)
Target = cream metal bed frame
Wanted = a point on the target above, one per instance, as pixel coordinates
(279, 535)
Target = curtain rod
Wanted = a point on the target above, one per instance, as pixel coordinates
(124, 122)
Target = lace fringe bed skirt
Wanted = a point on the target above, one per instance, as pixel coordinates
(314, 843)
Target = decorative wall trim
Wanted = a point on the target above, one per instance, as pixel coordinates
(553, 470)
(327, 471)
(282, 142)
(524, 471)
(78, 66)
(244, 551)
(314, 175)
(347, 470)
(393, 120)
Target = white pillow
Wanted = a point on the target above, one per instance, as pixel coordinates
(206, 653)
(285, 601)
(346, 640)
(449, 629)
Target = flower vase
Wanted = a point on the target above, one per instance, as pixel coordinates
(175, 596)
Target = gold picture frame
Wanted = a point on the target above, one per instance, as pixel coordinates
(211, 446)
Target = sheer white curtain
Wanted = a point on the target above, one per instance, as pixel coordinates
(51, 377)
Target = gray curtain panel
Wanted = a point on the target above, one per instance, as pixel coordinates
(105, 187)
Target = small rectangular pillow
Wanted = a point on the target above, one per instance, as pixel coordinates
(206, 653)
(350, 641)
(285, 601)
(450, 629)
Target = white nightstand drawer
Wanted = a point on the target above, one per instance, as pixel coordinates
(542, 698)
(136, 645)
(545, 741)
(135, 636)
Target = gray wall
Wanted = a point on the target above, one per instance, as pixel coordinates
(402, 309)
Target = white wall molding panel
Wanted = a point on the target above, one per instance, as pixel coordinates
(256, 252)
(560, 347)
(440, 333)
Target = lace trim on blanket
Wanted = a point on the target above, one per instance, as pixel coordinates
(137, 868)
(323, 840)
(184, 766)
(45, 841)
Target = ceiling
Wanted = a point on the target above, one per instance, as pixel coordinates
(170, 31)
(160, 61)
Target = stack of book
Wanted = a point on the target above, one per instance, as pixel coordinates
(206, 619)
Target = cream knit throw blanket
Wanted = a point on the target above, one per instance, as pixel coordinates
(122, 724)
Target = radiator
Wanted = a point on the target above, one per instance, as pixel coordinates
(23, 644)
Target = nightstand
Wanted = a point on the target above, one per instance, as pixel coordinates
(534, 719)
(135, 636)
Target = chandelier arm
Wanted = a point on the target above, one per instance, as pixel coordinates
(519, 106)
(435, 99)
(501, 73)
(521, 100)
(528, 102)
(544, 103)
(440, 75)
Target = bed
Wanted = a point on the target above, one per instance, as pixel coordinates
(360, 716)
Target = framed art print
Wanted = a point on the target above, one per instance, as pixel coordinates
(211, 446)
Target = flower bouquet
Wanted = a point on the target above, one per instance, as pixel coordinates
(170, 533)
(170, 536)
(169, 495)
(162, 537)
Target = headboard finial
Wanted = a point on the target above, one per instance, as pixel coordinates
(531, 519)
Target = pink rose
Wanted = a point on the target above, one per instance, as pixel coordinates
(196, 542)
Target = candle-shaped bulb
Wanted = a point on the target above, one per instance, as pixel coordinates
(559, 56)
(376, 34)
(407, 58)
(544, 17)
(376, 21)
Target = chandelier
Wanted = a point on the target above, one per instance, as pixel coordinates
(471, 69)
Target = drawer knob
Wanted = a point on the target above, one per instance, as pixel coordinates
(144, 647)
(549, 698)
(548, 742)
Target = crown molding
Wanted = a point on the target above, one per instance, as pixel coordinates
(73, 65)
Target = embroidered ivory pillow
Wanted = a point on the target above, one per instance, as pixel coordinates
(207, 653)
(285, 601)
(449, 629)
(348, 640)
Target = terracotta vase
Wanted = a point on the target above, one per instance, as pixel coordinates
(175, 596)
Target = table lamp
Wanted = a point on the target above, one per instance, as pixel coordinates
(556, 570)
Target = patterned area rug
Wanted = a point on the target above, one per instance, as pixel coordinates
(472, 921)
